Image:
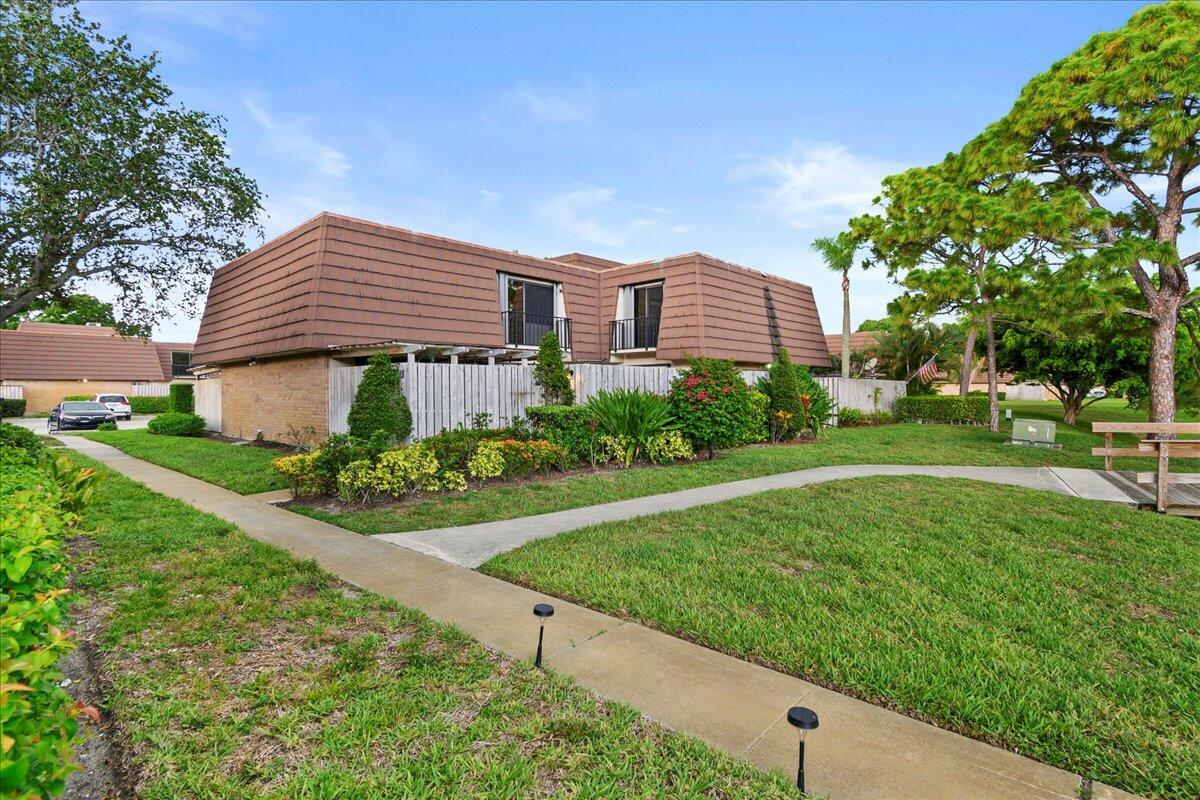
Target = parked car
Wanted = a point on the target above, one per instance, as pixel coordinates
(79, 415)
(1099, 391)
(118, 404)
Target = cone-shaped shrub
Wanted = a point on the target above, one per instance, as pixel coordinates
(786, 414)
(550, 373)
(379, 404)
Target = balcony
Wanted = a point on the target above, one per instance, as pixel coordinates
(522, 329)
(639, 333)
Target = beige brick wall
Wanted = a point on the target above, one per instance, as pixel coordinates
(41, 396)
(274, 393)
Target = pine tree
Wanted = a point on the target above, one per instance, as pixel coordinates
(551, 373)
(379, 404)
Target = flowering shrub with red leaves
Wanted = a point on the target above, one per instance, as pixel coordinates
(711, 404)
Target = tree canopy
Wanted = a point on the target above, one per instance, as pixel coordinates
(102, 175)
(76, 309)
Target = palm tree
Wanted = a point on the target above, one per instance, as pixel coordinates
(838, 252)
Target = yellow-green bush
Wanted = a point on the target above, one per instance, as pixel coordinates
(488, 461)
(667, 447)
(301, 474)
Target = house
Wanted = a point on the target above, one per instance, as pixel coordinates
(50, 361)
(336, 289)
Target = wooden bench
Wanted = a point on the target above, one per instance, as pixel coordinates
(1149, 447)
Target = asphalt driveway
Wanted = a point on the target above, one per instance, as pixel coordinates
(38, 424)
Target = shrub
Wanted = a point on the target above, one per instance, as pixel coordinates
(631, 416)
(181, 397)
(341, 450)
(786, 416)
(757, 426)
(77, 397)
(149, 405)
(530, 457)
(487, 461)
(21, 438)
(881, 418)
(851, 418)
(572, 428)
(107, 426)
(11, 407)
(817, 405)
(949, 409)
(667, 447)
(300, 471)
(379, 404)
(398, 473)
(38, 507)
(454, 449)
(551, 374)
(711, 404)
(177, 423)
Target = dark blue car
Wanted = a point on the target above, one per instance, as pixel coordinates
(79, 415)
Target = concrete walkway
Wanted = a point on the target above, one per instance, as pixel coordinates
(471, 545)
(860, 752)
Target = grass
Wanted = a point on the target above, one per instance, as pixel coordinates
(237, 671)
(889, 444)
(244, 469)
(1066, 629)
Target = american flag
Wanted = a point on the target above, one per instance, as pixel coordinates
(928, 370)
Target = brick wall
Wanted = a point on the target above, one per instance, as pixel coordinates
(41, 396)
(274, 393)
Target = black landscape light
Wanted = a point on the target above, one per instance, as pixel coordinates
(806, 720)
(541, 611)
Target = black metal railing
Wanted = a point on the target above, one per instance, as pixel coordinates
(640, 333)
(526, 330)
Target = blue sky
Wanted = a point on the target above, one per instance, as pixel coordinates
(626, 131)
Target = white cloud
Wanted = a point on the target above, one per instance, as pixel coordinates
(290, 136)
(238, 21)
(815, 185)
(554, 108)
(489, 199)
(585, 212)
(681, 229)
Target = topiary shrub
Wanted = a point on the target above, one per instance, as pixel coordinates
(551, 374)
(12, 407)
(181, 398)
(572, 428)
(946, 409)
(785, 416)
(379, 403)
(176, 423)
(711, 404)
(149, 405)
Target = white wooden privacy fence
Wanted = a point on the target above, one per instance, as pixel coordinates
(207, 397)
(12, 392)
(151, 389)
(445, 396)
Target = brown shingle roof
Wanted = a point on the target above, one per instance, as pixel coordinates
(859, 341)
(46, 351)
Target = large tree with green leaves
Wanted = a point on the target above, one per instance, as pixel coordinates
(838, 254)
(102, 176)
(1117, 123)
(76, 309)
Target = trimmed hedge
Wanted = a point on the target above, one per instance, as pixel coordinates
(78, 397)
(149, 405)
(569, 427)
(175, 423)
(182, 398)
(10, 407)
(946, 409)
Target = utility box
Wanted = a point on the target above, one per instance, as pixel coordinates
(1034, 432)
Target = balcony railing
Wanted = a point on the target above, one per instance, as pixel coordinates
(526, 330)
(640, 333)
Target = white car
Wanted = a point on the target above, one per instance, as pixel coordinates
(118, 404)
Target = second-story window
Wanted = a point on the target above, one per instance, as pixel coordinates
(181, 361)
(531, 310)
(639, 310)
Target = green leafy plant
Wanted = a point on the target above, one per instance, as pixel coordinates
(757, 426)
(785, 414)
(711, 404)
(572, 428)
(176, 423)
(12, 407)
(77, 397)
(668, 446)
(22, 438)
(181, 397)
(487, 461)
(379, 403)
(107, 426)
(631, 416)
(814, 400)
(551, 374)
(851, 418)
(149, 405)
(947, 409)
(300, 471)
(340, 450)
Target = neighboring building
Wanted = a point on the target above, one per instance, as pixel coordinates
(50, 361)
(336, 289)
(1005, 382)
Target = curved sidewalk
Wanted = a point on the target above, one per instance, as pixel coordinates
(861, 752)
(471, 545)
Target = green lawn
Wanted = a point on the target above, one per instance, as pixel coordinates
(889, 444)
(244, 469)
(236, 671)
(1063, 628)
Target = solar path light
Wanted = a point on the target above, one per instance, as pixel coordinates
(805, 719)
(541, 611)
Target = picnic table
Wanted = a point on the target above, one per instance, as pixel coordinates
(1153, 444)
